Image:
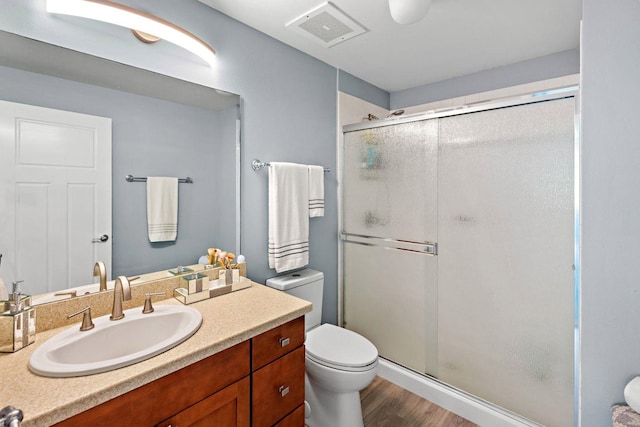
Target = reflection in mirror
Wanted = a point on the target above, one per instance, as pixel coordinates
(159, 126)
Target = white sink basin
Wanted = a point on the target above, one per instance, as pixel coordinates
(114, 344)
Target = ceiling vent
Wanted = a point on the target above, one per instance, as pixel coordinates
(327, 25)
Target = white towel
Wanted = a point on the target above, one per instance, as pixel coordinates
(316, 191)
(288, 216)
(162, 209)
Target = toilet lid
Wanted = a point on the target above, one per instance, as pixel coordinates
(339, 346)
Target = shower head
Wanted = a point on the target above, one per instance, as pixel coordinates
(395, 113)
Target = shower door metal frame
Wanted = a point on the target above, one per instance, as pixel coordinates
(388, 242)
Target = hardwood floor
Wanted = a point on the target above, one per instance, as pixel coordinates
(384, 404)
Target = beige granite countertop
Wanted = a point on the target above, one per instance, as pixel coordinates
(226, 321)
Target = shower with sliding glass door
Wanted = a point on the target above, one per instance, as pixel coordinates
(459, 249)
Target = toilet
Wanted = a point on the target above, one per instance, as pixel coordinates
(339, 362)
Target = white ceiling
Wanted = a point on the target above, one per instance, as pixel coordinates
(457, 37)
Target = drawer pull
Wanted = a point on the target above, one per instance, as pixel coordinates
(284, 342)
(283, 390)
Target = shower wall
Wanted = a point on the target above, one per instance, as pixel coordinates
(458, 251)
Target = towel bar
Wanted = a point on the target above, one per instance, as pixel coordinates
(131, 178)
(257, 165)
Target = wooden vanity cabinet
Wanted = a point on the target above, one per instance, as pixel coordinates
(167, 396)
(294, 419)
(277, 364)
(259, 382)
(227, 408)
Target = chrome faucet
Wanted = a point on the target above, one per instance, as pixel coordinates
(11, 417)
(121, 292)
(100, 270)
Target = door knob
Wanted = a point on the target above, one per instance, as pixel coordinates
(100, 239)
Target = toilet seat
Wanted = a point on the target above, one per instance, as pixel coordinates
(340, 348)
(337, 367)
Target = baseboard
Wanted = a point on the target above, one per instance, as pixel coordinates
(460, 403)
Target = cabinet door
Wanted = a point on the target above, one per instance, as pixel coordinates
(294, 419)
(153, 402)
(278, 388)
(227, 408)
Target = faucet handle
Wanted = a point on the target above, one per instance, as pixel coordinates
(11, 417)
(87, 323)
(148, 308)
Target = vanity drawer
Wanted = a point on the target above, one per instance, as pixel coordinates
(278, 388)
(277, 342)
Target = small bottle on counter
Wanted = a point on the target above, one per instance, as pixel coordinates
(17, 321)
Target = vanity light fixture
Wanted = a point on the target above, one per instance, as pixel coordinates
(145, 26)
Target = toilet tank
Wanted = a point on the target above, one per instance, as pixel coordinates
(305, 284)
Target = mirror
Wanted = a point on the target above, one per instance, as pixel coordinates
(161, 126)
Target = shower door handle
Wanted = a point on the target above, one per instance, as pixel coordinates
(431, 249)
(426, 248)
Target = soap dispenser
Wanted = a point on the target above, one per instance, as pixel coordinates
(17, 321)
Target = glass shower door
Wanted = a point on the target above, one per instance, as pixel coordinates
(493, 313)
(505, 260)
(389, 235)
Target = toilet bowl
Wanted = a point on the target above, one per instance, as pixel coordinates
(338, 362)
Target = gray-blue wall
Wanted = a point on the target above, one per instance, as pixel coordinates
(610, 317)
(150, 137)
(288, 114)
(354, 86)
(288, 105)
(543, 68)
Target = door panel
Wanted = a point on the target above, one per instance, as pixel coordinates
(505, 260)
(390, 288)
(55, 188)
(493, 312)
(390, 181)
(391, 297)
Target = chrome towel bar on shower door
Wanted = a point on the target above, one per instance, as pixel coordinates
(426, 248)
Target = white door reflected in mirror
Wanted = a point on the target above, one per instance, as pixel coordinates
(55, 167)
